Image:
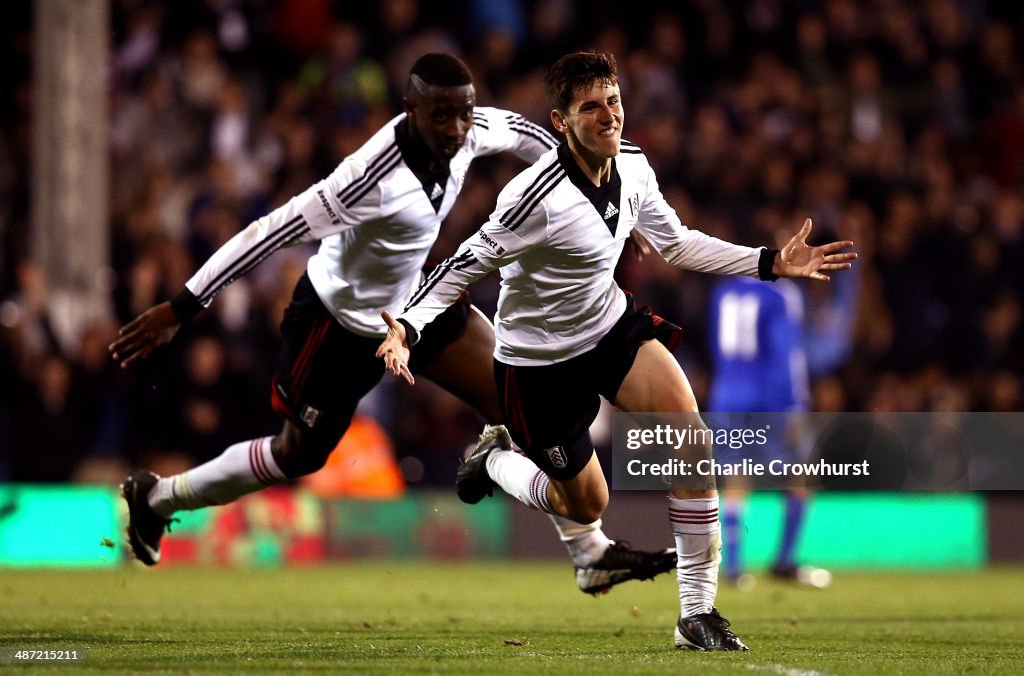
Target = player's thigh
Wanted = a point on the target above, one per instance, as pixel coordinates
(323, 371)
(464, 367)
(656, 383)
(548, 410)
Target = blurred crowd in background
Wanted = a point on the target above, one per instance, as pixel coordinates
(897, 124)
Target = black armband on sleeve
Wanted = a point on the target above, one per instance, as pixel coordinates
(412, 336)
(186, 306)
(765, 264)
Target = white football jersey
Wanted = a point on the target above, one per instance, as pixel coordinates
(377, 214)
(557, 239)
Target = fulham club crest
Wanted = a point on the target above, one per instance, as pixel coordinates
(310, 415)
(556, 454)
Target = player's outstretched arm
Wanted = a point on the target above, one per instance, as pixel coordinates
(798, 259)
(136, 339)
(394, 350)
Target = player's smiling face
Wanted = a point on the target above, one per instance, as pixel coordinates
(442, 117)
(594, 120)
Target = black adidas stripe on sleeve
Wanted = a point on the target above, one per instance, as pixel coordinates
(376, 168)
(541, 186)
(457, 262)
(292, 230)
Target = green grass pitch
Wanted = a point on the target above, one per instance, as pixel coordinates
(504, 617)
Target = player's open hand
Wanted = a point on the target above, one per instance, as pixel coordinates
(640, 246)
(142, 335)
(798, 259)
(395, 349)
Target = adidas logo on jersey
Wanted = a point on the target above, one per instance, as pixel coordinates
(610, 211)
(436, 192)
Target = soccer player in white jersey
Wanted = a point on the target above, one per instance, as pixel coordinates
(377, 215)
(567, 334)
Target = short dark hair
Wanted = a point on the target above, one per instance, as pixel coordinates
(442, 70)
(575, 72)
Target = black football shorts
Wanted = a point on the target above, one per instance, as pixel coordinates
(548, 409)
(324, 369)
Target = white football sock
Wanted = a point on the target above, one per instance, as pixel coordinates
(586, 542)
(520, 478)
(243, 468)
(699, 550)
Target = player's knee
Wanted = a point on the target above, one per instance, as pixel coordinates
(587, 513)
(704, 448)
(683, 401)
(695, 446)
(305, 463)
(298, 453)
(589, 508)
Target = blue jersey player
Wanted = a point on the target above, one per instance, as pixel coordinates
(759, 366)
(757, 347)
